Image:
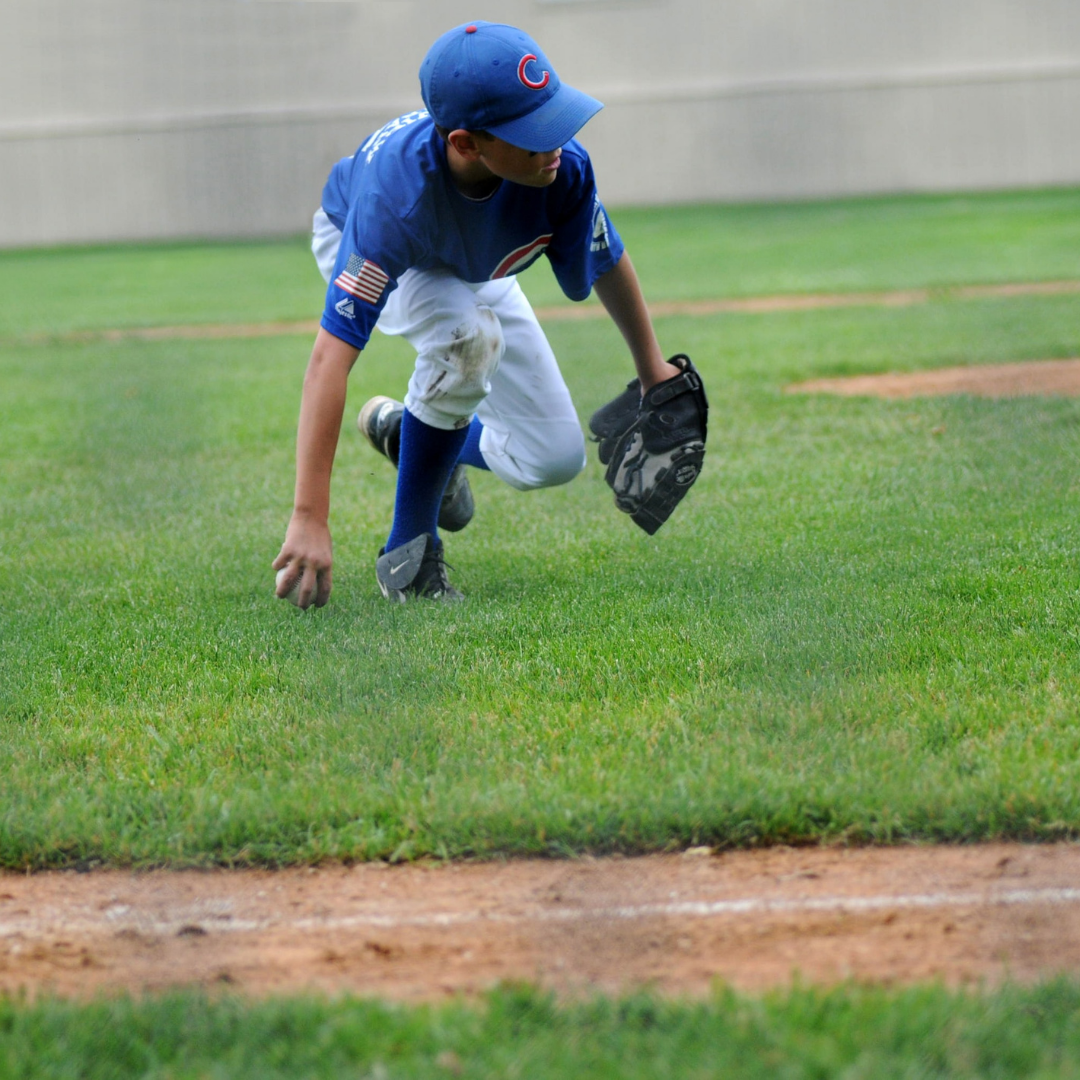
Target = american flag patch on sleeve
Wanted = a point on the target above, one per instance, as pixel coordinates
(362, 278)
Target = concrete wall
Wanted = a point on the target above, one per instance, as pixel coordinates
(124, 119)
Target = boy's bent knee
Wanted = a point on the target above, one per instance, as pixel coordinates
(563, 468)
(475, 350)
(563, 459)
(454, 376)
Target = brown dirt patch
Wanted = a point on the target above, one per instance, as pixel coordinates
(1028, 379)
(745, 305)
(674, 922)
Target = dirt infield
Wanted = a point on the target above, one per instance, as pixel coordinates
(673, 922)
(1060, 377)
(1031, 378)
(744, 305)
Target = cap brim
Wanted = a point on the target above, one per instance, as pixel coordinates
(553, 124)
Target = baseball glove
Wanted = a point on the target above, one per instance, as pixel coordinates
(653, 446)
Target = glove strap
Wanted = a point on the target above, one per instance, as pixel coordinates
(680, 384)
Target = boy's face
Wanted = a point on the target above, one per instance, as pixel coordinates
(531, 168)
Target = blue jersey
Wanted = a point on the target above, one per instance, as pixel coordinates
(398, 209)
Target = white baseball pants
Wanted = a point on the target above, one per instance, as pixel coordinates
(480, 350)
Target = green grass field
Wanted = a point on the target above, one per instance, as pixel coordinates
(806, 1034)
(860, 626)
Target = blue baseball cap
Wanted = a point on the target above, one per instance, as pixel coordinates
(485, 76)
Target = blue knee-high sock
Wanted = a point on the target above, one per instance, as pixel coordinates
(426, 459)
(470, 452)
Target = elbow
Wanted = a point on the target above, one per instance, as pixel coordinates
(330, 357)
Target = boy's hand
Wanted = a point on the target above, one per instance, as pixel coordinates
(306, 556)
(304, 560)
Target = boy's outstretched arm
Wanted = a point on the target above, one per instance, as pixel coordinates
(307, 552)
(652, 437)
(620, 293)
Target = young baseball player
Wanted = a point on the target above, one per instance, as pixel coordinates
(421, 233)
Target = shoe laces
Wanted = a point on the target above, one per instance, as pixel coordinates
(437, 556)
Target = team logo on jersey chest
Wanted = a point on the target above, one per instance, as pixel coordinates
(521, 257)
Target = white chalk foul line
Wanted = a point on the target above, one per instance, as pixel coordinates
(704, 909)
(129, 917)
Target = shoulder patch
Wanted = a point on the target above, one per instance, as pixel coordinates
(601, 241)
(363, 279)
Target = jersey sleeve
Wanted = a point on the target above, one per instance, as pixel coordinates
(376, 249)
(584, 245)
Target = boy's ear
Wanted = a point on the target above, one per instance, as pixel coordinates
(465, 143)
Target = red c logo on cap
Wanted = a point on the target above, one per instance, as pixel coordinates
(525, 78)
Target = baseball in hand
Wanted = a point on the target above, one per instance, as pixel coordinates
(293, 595)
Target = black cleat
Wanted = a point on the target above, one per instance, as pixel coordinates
(457, 507)
(380, 423)
(415, 569)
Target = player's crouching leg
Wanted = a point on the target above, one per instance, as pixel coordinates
(535, 452)
(458, 356)
(454, 369)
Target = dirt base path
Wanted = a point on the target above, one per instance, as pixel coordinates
(567, 312)
(1027, 379)
(1035, 377)
(673, 922)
